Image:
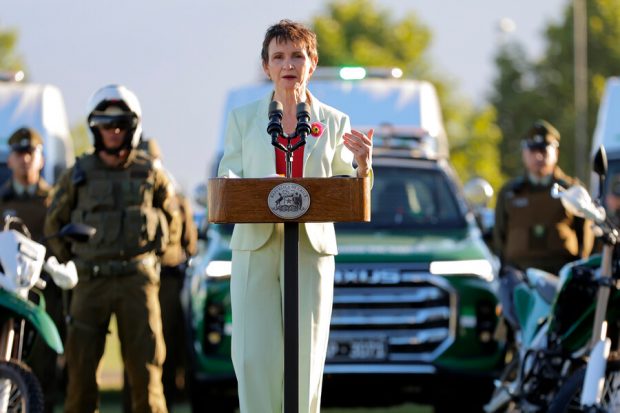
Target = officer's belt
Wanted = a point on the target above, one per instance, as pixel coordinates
(112, 268)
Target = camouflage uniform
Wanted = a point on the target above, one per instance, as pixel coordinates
(135, 213)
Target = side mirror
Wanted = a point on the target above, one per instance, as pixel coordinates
(478, 192)
(76, 232)
(600, 162)
(599, 167)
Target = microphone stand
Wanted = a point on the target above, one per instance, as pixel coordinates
(291, 274)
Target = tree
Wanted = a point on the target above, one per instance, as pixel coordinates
(528, 90)
(81, 139)
(359, 34)
(356, 32)
(9, 59)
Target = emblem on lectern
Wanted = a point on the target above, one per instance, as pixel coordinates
(288, 200)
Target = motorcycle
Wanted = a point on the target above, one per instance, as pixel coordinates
(549, 316)
(595, 386)
(537, 362)
(23, 311)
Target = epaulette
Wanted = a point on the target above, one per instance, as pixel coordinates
(78, 175)
(6, 191)
(517, 184)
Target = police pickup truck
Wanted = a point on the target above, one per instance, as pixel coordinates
(414, 310)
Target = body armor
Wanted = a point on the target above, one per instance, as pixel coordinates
(119, 204)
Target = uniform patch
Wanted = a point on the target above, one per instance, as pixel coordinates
(520, 202)
(538, 231)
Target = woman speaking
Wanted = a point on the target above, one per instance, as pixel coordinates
(289, 58)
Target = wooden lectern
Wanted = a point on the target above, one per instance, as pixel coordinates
(290, 201)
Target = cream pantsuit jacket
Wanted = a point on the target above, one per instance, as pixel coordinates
(248, 153)
(257, 265)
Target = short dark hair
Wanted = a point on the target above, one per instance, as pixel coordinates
(287, 30)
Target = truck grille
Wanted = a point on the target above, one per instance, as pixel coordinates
(390, 315)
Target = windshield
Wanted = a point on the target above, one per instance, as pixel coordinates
(407, 198)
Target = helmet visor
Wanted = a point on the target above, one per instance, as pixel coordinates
(109, 122)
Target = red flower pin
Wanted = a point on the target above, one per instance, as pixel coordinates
(316, 129)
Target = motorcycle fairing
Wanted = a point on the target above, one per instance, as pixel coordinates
(35, 315)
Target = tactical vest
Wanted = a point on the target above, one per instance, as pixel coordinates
(540, 231)
(119, 204)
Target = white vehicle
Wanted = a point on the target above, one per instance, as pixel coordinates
(41, 107)
(607, 131)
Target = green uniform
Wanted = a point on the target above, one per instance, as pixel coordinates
(31, 209)
(532, 229)
(135, 213)
(173, 264)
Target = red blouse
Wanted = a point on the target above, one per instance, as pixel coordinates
(298, 158)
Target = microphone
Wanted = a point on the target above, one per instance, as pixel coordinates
(303, 120)
(274, 128)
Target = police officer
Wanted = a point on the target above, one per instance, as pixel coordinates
(26, 193)
(173, 264)
(532, 229)
(131, 203)
(26, 196)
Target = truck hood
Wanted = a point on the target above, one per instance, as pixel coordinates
(422, 247)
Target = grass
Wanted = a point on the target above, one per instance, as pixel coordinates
(111, 381)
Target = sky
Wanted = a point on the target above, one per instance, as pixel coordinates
(181, 57)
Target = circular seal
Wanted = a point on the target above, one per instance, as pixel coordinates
(288, 200)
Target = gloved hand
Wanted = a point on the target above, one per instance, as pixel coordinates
(64, 275)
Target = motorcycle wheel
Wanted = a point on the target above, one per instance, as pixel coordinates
(568, 397)
(20, 391)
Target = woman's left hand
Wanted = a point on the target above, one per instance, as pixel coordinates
(361, 147)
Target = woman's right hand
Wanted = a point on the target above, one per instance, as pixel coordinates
(361, 147)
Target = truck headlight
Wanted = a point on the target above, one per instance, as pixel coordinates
(481, 268)
(218, 269)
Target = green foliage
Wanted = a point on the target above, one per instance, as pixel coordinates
(357, 32)
(81, 139)
(474, 156)
(528, 90)
(9, 59)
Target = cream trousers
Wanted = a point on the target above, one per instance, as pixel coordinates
(258, 339)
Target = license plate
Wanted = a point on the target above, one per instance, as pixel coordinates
(343, 349)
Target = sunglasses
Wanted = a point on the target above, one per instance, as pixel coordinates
(123, 122)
